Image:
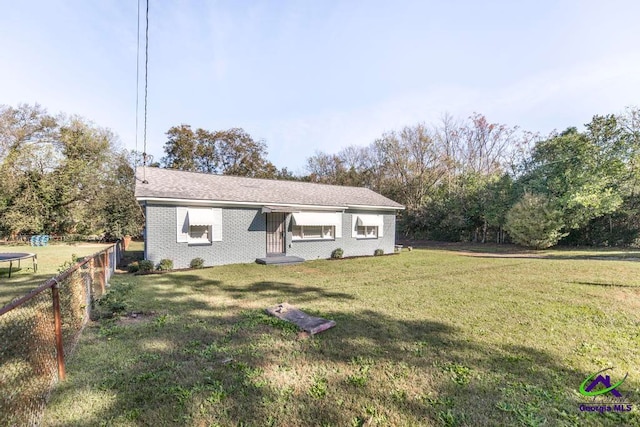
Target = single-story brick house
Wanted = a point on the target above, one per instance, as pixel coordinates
(229, 219)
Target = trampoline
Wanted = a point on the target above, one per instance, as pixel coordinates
(12, 257)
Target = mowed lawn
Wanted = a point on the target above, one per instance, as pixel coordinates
(50, 258)
(444, 336)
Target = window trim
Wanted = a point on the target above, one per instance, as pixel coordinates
(200, 240)
(367, 220)
(183, 231)
(365, 235)
(295, 238)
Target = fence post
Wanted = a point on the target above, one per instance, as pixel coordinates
(105, 263)
(55, 293)
(92, 269)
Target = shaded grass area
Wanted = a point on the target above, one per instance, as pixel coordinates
(135, 252)
(50, 258)
(430, 337)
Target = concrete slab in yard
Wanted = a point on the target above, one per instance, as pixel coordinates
(310, 324)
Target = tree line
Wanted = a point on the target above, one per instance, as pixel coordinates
(479, 181)
(63, 175)
(460, 180)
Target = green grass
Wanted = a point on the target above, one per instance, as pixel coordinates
(442, 337)
(50, 258)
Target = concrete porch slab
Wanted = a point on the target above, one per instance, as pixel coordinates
(280, 260)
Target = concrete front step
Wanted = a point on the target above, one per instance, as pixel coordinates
(280, 260)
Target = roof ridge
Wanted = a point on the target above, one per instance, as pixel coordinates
(256, 178)
(188, 185)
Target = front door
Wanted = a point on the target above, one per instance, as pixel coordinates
(275, 233)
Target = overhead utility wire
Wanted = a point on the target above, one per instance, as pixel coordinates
(135, 159)
(146, 91)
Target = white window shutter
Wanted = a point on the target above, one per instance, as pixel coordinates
(381, 226)
(182, 230)
(216, 233)
(354, 225)
(338, 225)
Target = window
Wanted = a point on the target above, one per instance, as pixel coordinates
(367, 226)
(199, 234)
(198, 225)
(316, 225)
(313, 232)
(367, 232)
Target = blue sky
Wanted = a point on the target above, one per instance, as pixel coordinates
(321, 75)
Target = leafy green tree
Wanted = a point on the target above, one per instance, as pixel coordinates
(207, 156)
(240, 155)
(498, 195)
(181, 149)
(535, 221)
(229, 152)
(120, 213)
(22, 126)
(57, 174)
(576, 172)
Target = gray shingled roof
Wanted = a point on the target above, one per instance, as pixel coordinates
(173, 184)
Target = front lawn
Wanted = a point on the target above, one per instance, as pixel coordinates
(444, 336)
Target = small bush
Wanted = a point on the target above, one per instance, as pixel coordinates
(378, 252)
(134, 267)
(68, 264)
(114, 302)
(535, 221)
(145, 266)
(197, 263)
(165, 265)
(337, 253)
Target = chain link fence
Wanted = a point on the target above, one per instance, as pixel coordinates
(39, 329)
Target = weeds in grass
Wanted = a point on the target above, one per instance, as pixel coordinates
(459, 374)
(161, 320)
(318, 389)
(374, 417)
(109, 328)
(419, 348)
(253, 318)
(114, 302)
(526, 413)
(447, 402)
(358, 421)
(359, 378)
(399, 395)
(182, 394)
(450, 418)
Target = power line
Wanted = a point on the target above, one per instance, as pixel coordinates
(135, 159)
(146, 91)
